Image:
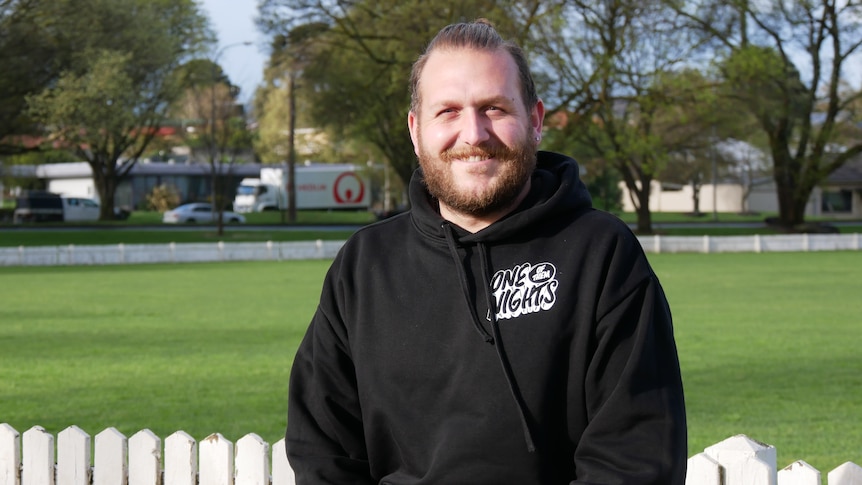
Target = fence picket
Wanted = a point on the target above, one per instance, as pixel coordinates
(181, 459)
(738, 460)
(846, 474)
(703, 470)
(144, 458)
(73, 457)
(10, 455)
(282, 473)
(38, 459)
(745, 461)
(252, 461)
(799, 473)
(216, 461)
(111, 459)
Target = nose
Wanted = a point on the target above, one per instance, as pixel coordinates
(475, 127)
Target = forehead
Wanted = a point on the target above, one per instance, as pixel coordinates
(458, 73)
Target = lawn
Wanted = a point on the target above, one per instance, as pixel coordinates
(769, 345)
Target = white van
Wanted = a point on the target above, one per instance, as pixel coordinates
(78, 209)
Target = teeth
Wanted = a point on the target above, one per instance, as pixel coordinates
(475, 159)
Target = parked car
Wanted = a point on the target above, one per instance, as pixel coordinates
(41, 206)
(80, 209)
(199, 212)
(38, 206)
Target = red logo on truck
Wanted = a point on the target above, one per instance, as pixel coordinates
(348, 189)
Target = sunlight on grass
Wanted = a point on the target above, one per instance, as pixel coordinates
(769, 346)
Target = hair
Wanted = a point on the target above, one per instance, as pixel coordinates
(479, 35)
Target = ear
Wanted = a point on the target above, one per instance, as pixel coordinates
(537, 119)
(413, 126)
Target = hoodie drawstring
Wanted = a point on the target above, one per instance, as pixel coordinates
(495, 338)
(462, 277)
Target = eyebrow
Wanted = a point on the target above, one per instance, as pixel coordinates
(498, 100)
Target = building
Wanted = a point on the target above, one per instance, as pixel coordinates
(193, 181)
(840, 196)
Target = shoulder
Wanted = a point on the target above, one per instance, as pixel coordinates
(375, 241)
(597, 228)
(612, 246)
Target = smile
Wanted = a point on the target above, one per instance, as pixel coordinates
(476, 158)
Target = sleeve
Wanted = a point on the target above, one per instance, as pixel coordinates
(324, 438)
(636, 431)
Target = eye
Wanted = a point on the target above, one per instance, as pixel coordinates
(446, 112)
(495, 110)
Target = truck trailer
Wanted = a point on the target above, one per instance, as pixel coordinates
(318, 186)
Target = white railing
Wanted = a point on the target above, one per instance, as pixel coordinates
(166, 253)
(277, 251)
(755, 243)
(141, 460)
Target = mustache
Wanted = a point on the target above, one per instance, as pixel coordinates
(482, 151)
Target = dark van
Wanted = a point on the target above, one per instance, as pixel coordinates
(38, 206)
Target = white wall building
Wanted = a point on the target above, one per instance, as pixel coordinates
(723, 197)
(840, 195)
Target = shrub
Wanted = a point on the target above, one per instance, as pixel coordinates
(162, 198)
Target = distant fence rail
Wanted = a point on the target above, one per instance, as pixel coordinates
(142, 460)
(166, 253)
(277, 251)
(755, 243)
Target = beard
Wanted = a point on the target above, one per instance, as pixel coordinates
(515, 166)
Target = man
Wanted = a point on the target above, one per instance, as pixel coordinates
(502, 331)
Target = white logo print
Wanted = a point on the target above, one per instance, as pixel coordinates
(524, 289)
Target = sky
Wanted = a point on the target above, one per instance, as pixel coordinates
(233, 22)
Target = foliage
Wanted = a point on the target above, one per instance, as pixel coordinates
(609, 73)
(40, 157)
(602, 179)
(785, 61)
(108, 101)
(163, 198)
(30, 60)
(220, 136)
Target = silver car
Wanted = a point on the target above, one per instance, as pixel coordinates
(199, 212)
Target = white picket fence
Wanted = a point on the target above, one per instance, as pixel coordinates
(141, 460)
(278, 251)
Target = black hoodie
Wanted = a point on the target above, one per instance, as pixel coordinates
(538, 350)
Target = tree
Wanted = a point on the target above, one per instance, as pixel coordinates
(606, 68)
(746, 165)
(787, 62)
(220, 133)
(30, 61)
(602, 180)
(292, 53)
(108, 104)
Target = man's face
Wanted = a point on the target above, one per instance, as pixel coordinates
(475, 139)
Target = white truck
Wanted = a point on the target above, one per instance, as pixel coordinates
(318, 186)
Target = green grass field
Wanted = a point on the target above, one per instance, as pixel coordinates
(769, 345)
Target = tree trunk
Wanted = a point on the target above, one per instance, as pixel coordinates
(105, 180)
(695, 196)
(291, 150)
(792, 196)
(639, 192)
(643, 212)
(106, 203)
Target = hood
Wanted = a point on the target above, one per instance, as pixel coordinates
(556, 187)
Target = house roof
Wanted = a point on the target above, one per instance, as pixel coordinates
(848, 174)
